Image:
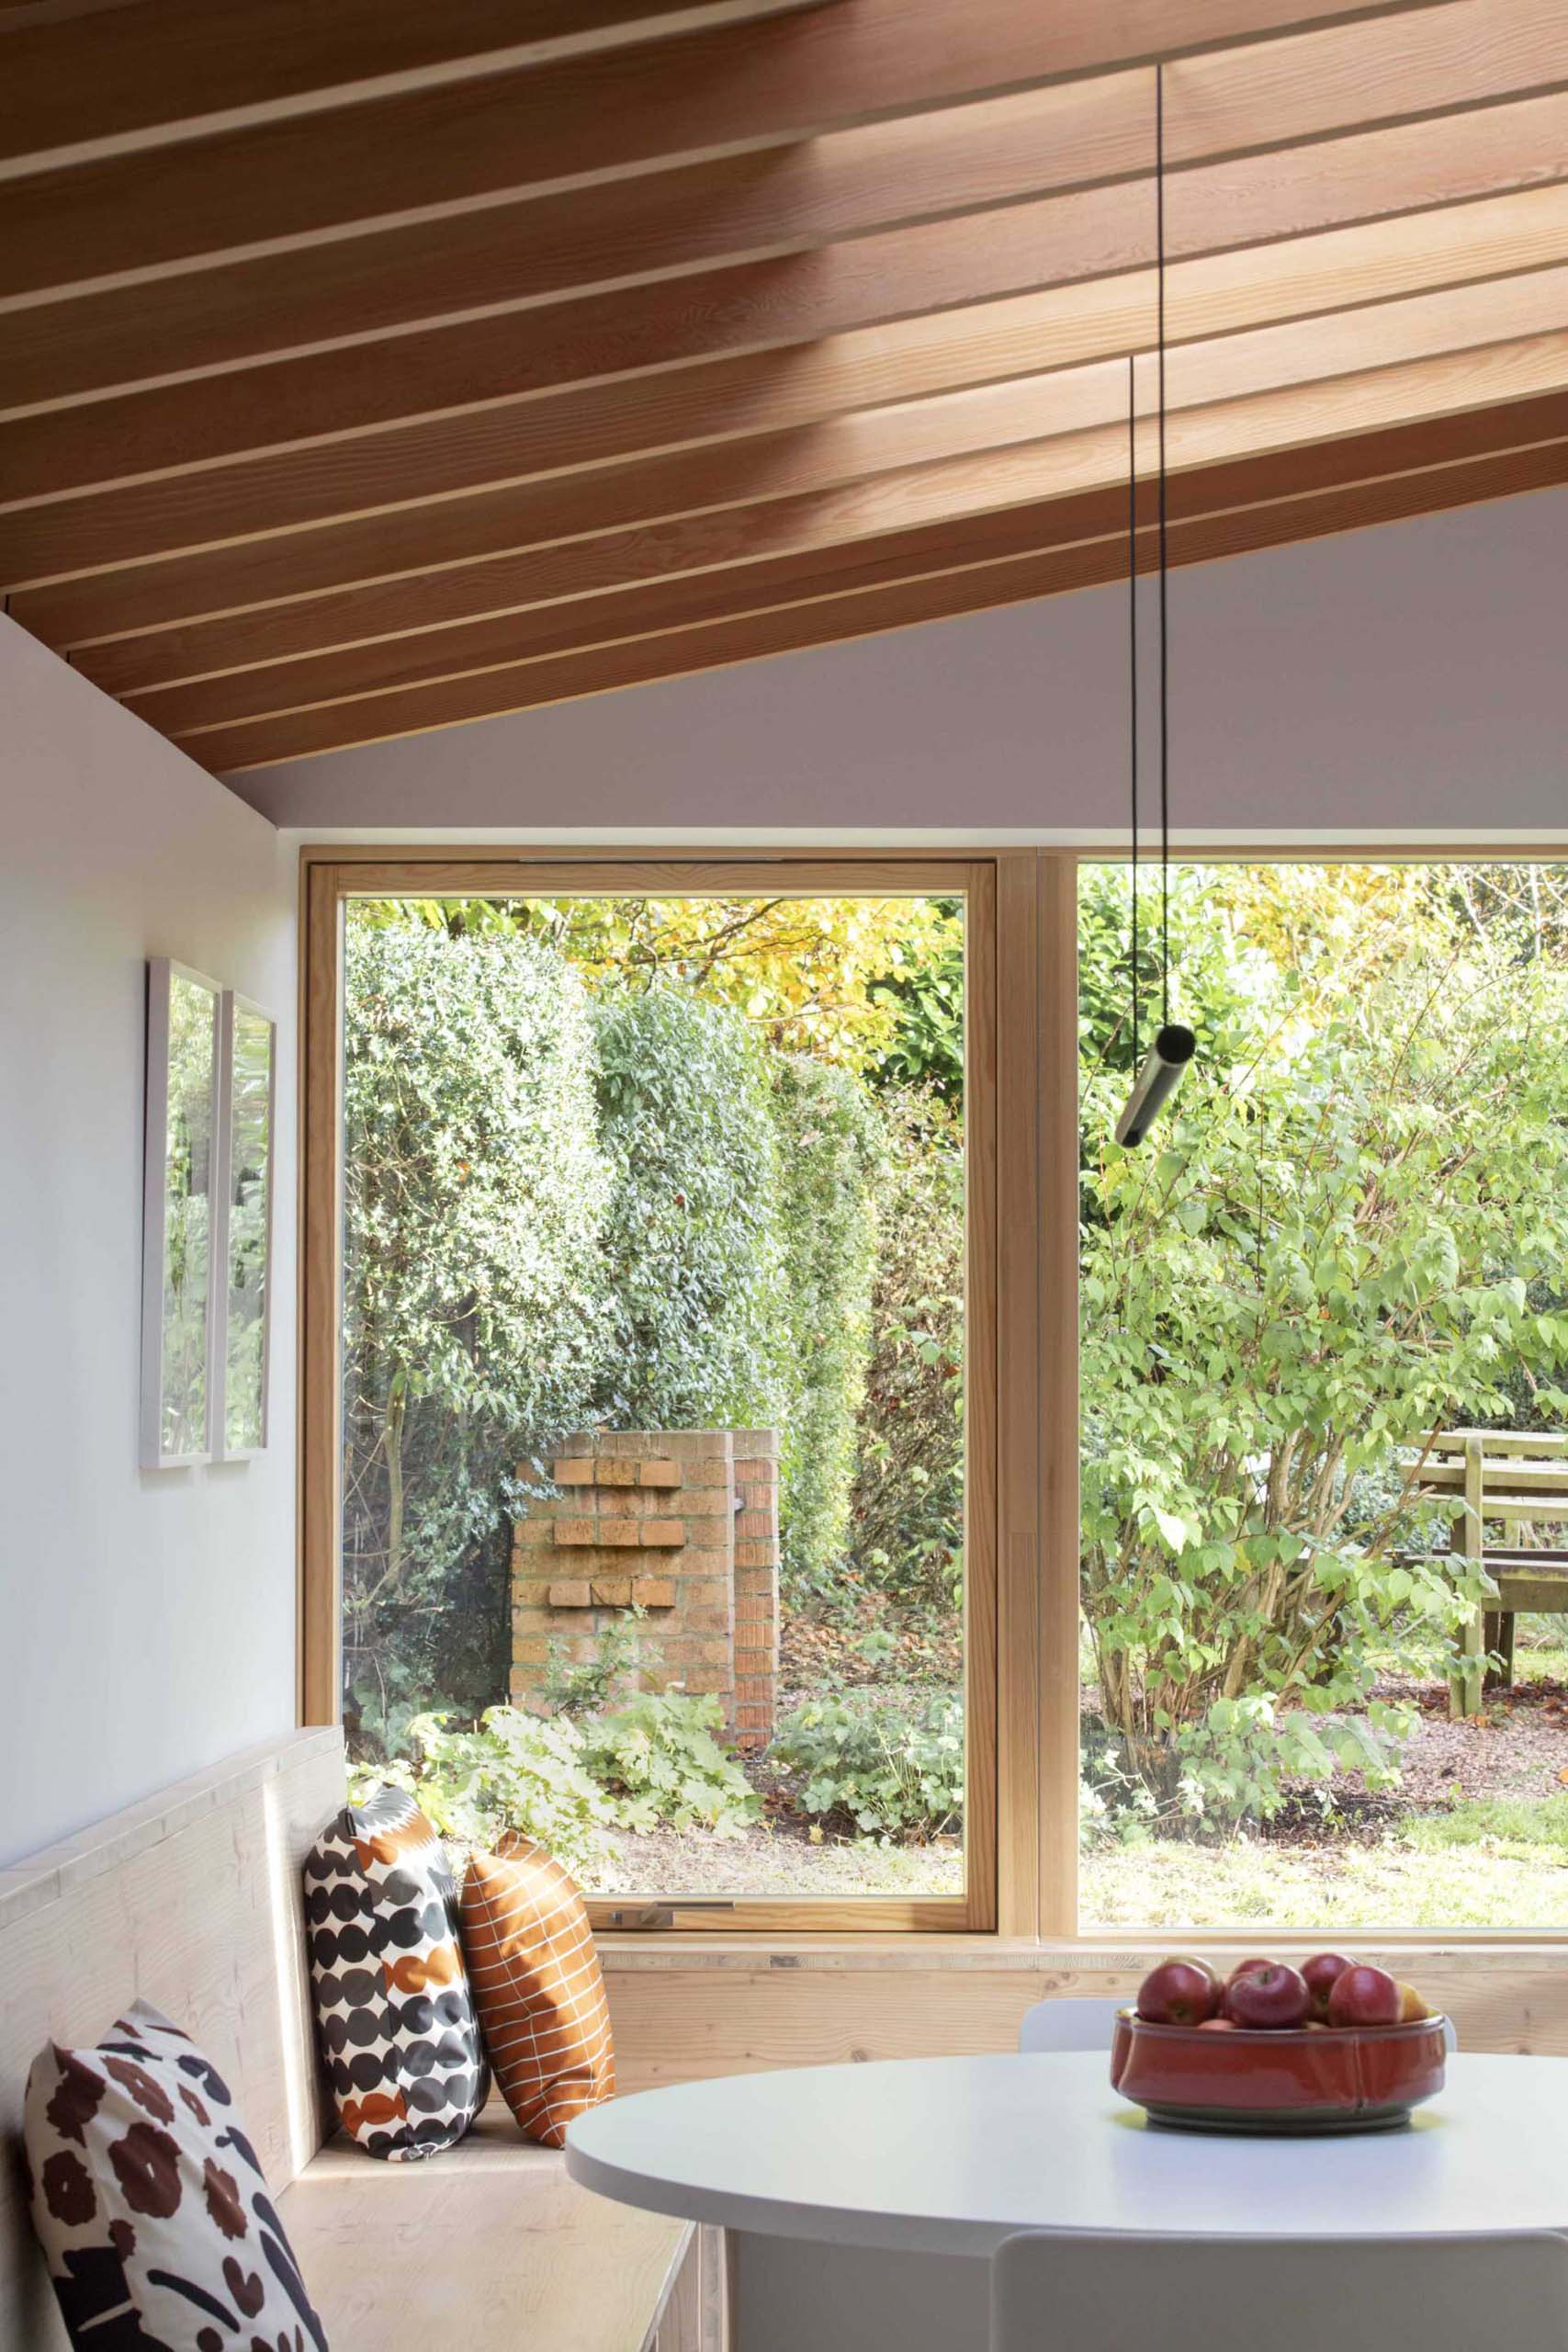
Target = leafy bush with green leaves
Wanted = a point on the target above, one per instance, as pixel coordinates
(907, 1507)
(897, 1773)
(659, 1760)
(513, 1771)
(1325, 1251)
(692, 1257)
(477, 1193)
(831, 1153)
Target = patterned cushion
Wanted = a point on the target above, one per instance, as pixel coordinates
(149, 2204)
(537, 1981)
(396, 2019)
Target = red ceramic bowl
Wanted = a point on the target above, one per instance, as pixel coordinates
(1350, 2078)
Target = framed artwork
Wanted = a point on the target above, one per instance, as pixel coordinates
(179, 1289)
(247, 1088)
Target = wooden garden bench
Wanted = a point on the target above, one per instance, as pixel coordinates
(1506, 1478)
(193, 1900)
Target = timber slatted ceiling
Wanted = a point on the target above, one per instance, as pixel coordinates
(367, 367)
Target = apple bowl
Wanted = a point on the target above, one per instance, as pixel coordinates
(1309, 2078)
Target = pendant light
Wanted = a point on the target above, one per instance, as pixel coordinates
(1174, 1044)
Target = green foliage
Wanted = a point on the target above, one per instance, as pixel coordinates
(907, 1500)
(586, 1686)
(692, 1258)
(514, 1771)
(831, 1150)
(660, 1761)
(1323, 1254)
(925, 997)
(896, 1773)
(476, 1198)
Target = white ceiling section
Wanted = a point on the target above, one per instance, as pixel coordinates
(1406, 683)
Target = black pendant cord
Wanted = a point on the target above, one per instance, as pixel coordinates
(1132, 657)
(1164, 667)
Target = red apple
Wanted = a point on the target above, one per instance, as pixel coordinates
(1246, 1967)
(1321, 1972)
(1269, 2000)
(1178, 1993)
(1191, 1959)
(1364, 1997)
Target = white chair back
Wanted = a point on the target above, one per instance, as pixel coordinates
(1068, 2025)
(1109, 2292)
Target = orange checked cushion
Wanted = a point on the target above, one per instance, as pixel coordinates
(536, 1984)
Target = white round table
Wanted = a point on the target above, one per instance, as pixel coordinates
(888, 2188)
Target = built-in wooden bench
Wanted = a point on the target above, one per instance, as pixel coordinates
(193, 1901)
(1506, 1477)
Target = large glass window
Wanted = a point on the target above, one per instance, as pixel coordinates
(654, 1402)
(1324, 1360)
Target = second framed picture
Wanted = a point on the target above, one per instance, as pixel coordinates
(206, 1275)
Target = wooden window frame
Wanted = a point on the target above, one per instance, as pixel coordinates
(1022, 1493)
(1028, 1812)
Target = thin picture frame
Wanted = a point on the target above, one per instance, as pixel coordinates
(227, 1440)
(179, 1289)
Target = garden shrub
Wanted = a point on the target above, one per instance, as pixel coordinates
(659, 1760)
(513, 1771)
(475, 1325)
(907, 1505)
(692, 1256)
(831, 1151)
(1325, 1252)
(896, 1773)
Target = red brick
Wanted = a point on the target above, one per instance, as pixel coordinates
(608, 1471)
(531, 1532)
(530, 1653)
(654, 1593)
(612, 1592)
(754, 1555)
(755, 1523)
(576, 1471)
(576, 1531)
(664, 1533)
(570, 1596)
(705, 1620)
(659, 1474)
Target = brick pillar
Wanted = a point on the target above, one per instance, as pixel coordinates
(643, 1517)
(756, 1586)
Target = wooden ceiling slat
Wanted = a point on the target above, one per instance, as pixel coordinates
(440, 367)
(766, 201)
(571, 514)
(431, 656)
(795, 76)
(161, 66)
(960, 159)
(131, 665)
(77, 612)
(723, 398)
(336, 727)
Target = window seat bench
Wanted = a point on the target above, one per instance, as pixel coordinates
(192, 1900)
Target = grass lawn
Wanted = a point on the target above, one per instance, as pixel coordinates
(1492, 1864)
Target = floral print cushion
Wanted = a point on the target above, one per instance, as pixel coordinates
(149, 2204)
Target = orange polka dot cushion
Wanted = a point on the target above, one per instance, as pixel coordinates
(149, 2200)
(538, 1990)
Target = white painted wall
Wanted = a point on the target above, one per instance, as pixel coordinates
(148, 1617)
(1405, 680)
